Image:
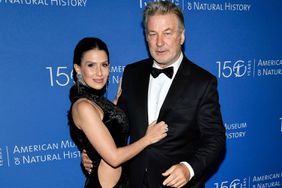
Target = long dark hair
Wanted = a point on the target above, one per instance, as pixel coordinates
(84, 45)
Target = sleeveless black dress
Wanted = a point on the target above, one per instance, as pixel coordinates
(114, 119)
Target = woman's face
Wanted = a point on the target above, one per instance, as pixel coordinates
(94, 68)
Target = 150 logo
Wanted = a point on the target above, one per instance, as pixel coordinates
(60, 76)
(236, 183)
(235, 69)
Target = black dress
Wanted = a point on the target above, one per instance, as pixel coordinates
(114, 119)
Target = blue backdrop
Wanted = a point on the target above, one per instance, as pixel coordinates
(238, 41)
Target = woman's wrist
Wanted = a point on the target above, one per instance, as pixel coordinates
(146, 141)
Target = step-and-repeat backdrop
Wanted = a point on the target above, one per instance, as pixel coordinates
(240, 42)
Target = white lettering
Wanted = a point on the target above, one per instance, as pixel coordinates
(237, 7)
(40, 158)
(71, 155)
(269, 62)
(115, 80)
(266, 177)
(268, 185)
(235, 126)
(268, 72)
(70, 3)
(67, 144)
(206, 6)
(35, 148)
(240, 134)
(117, 69)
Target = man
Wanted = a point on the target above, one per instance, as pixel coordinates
(187, 102)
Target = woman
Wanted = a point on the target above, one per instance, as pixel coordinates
(97, 125)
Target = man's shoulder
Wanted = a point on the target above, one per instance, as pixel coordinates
(198, 71)
(139, 65)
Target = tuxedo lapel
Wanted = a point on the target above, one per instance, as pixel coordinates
(142, 94)
(179, 82)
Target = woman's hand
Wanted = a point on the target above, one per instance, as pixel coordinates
(156, 131)
(86, 162)
(118, 93)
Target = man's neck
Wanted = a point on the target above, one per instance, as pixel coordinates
(165, 65)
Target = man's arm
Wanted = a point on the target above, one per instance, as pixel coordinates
(211, 128)
(212, 140)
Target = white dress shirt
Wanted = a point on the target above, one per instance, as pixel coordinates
(158, 89)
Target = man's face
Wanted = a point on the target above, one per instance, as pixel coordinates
(164, 38)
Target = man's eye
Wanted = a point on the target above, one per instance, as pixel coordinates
(90, 65)
(105, 65)
(152, 34)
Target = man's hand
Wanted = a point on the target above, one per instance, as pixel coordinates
(87, 163)
(177, 176)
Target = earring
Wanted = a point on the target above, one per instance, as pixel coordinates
(80, 79)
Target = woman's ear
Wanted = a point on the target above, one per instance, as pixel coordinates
(76, 68)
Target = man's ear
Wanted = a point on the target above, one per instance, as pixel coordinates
(182, 37)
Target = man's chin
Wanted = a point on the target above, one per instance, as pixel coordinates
(162, 61)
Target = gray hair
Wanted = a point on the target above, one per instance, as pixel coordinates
(163, 7)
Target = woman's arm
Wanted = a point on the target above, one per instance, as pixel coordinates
(118, 92)
(87, 117)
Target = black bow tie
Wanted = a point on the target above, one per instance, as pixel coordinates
(167, 71)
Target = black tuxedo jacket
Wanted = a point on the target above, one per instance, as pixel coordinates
(192, 111)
